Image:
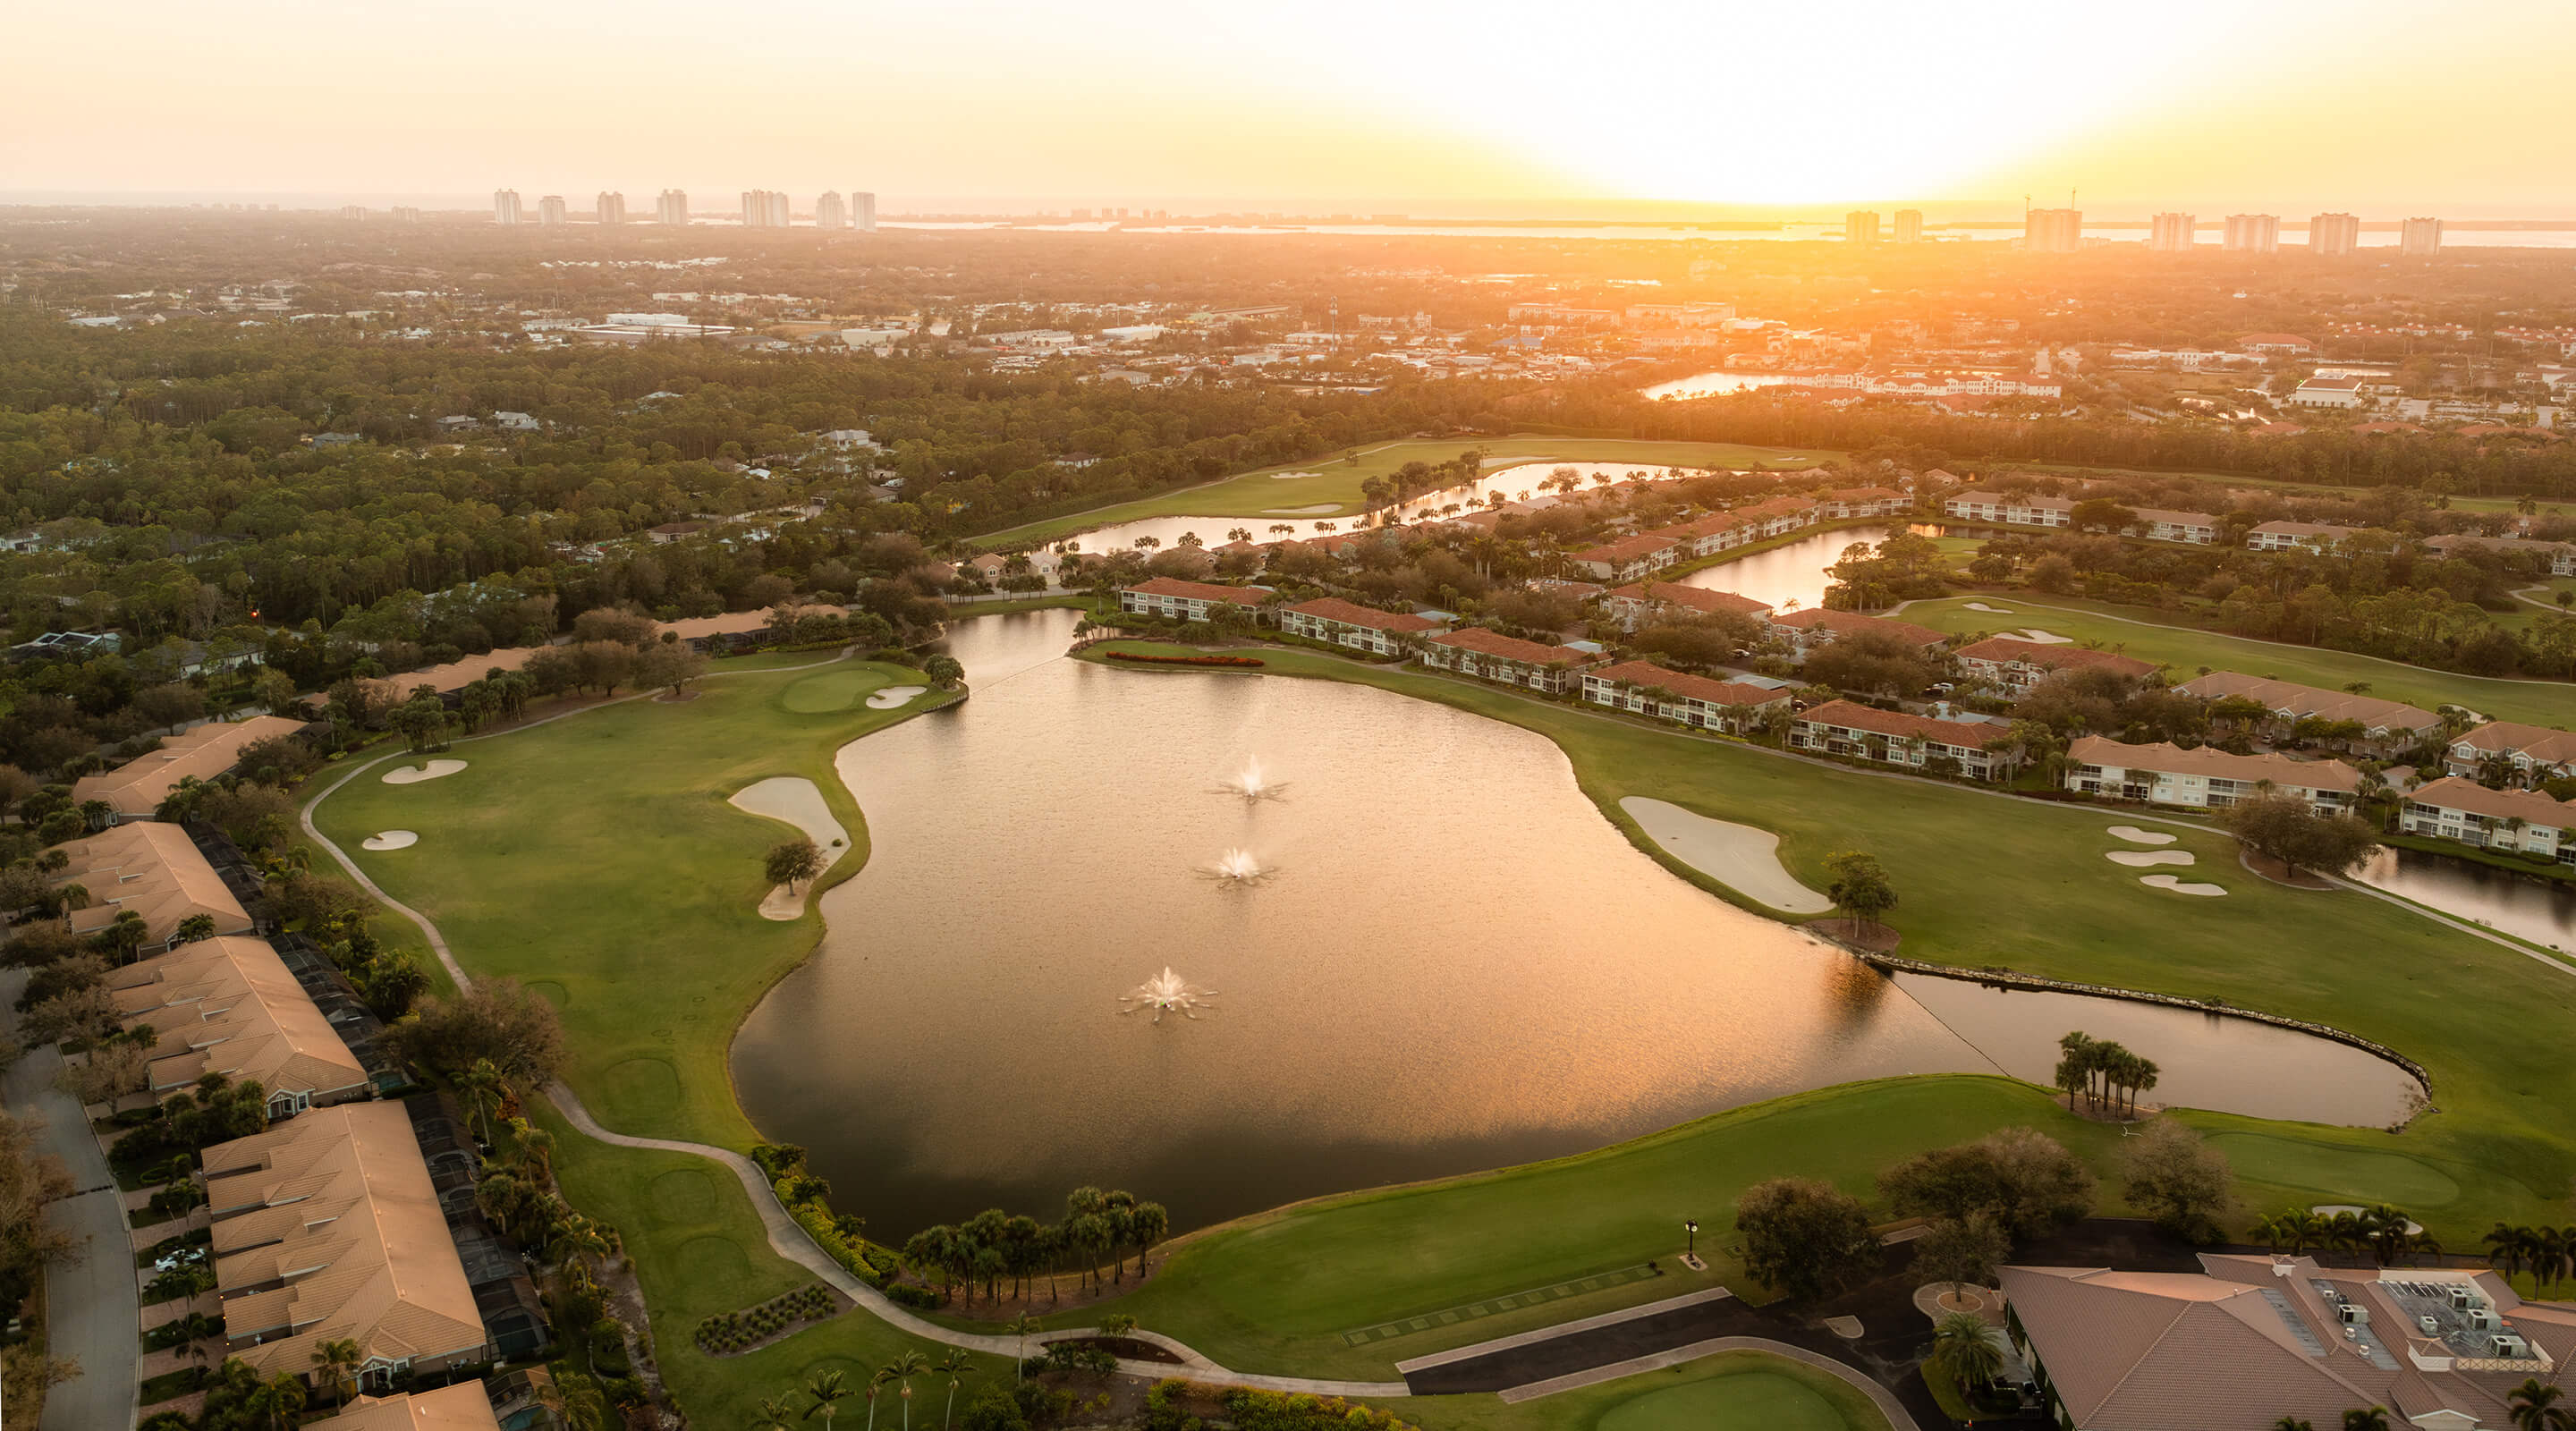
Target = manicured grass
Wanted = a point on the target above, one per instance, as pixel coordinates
(1254, 494)
(2141, 632)
(2349, 1177)
(1732, 1391)
(698, 1249)
(1988, 880)
(595, 859)
(1274, 1292)
(2291, 489)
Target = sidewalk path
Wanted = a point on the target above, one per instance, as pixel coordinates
(91, 1311)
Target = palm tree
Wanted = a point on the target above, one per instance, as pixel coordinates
(333, 1358)
(2374, 1419)
(1020, 1327)
(2507, 1246)
(1967, 1347)
(777, 1413)
(2535, 1407)
(2291, 1423)
(952, 1364)
(480, 1089)
(907, 1364)
(827, 1390)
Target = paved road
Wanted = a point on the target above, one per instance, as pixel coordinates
(91, 1309)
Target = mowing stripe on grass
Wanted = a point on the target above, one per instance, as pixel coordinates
(1450, 1316)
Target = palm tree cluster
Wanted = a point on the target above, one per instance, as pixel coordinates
(2549, 1253)
(1969, 1348)
(824, 1391)
(2532, 1406)
(2384, 1230)
(2103, 1072)
(994, 1247)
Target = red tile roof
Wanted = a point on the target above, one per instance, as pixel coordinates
(1846, 623)
(1333, 608)
(1200, 591)
(1494, 643)
(2210, 760)
(1628, 549)
(1698, 598)
(2052, 657)
(1702, 688)
(1971, 734)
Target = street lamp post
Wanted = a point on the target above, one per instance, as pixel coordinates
(1691, 1226)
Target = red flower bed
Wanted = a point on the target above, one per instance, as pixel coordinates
(1150, 660)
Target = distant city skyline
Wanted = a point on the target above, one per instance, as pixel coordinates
(1153, 103)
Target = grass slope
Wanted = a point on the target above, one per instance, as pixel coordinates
(2140, 632)
(596, 860)
(1732, 1391)
(1255, 494)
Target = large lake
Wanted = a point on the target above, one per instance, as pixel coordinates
(1458, 964)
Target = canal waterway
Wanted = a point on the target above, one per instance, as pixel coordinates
(1456, 962)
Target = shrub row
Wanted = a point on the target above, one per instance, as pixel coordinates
(1151, 660)
(734, 1331)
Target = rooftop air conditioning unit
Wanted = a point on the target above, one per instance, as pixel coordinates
(2353, 1314)
(2351, 1333)
(2480, 1319)
(2431, 1326)
(2511, 1347)
(2463, 1297)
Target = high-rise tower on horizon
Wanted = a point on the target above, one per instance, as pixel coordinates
(2052, 230)
(1860, 226)
(2253, 233)
(2334, 235)
(672, 208)
(2419, 238)
(505, 206)
(1909, 225)
(830, 212)
(551, 211)
(2171, 233)
(863, 211)
(612, 207)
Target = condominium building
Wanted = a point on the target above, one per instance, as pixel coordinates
(1818, 625)
(2533, 753)
(2318, 537)
(1969, 504)
(405, 214)
(1647, 602)
(228, 1005)
(505, 206)
(2052, 231)
(611, 207)
(1860, 226)
(1909, 225)
(1649, 689)
(2523, 821)
(2170, 233)
(1628, 558)
(2205, 778)
(1362, 628)
(135, 790)
(672, 208)
(551, 211)
(2417, 238)
(2253, 233)
(830, 212)
(2334, 235)
(2387, 727)
(464, 1406)
(2016, 665)
(863, 211)
(154, 871)
(1496, 657)
(1861, 732)
(1180, 600)
(764, 209)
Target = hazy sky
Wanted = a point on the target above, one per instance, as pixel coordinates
(2375, 105)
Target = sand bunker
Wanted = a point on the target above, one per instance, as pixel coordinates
(1989, 610)
(793, 800)
(390, 840)
(2045, 637)
(1738, 856)
(2137, 859)
(890, 697)
(1321, 509)
(2179, 886)
(2136, 836)
(1292, 476)
(414, 774)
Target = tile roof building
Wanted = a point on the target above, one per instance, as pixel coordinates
(461, 1407)
(1169, 596)
(326, 1227)
(229, 1006)
(1818, 625)
(2388, 726)
(2297, 536)
(2536, 752)
(2250, 1340)
(1973, 505)
(2017, 665)
(2559, 557)
(1629, 557)
(1475, 651)
(156, 871)
(2205, 778)
(1347, 623)
(1693, 700)
(2521, 820)
(1862, 732)
(1642, 603)
(136, 789)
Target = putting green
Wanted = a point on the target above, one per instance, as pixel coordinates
(2349, 1175)
(828, 691)
(1748, 1401)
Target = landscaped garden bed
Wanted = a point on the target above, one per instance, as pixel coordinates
(734, 1333)
(1145, 658)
